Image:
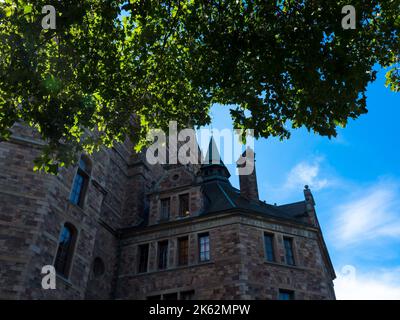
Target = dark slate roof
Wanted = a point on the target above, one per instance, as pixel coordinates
(223, 196)
(297, 209)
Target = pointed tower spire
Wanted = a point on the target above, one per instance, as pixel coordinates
(213, 166)
(213, 156)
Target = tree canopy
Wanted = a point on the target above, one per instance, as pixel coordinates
(118, 68)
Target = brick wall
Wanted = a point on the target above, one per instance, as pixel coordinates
(34, 208)
(124, 192)
(237, 269)
(216, 278)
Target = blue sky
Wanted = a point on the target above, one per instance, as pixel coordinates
(355, 179)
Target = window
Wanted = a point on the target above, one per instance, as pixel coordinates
(98, 267)
(170, 296)
(288, 242)
(204, 247)
(269, 247)
(65, 250)
(162, 255)
(187, 295)
(184, 205)
(81, 182)
(184, 295)
(286, 295)
(183, 251)
(165, 209)
(143, 258)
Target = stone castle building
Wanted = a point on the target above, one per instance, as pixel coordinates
(116, 227)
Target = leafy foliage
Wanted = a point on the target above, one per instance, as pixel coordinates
(113, 69)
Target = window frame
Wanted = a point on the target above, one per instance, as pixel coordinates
(272, 244)
(171, 296)
(183, 262)
(290, 293)
(206, 253)
(164, 217)
(187, 213)
(139, 254)
(98, 267)
(165, 256)
(289, 251)
(69, 256)
(83, 171)
(187, 293)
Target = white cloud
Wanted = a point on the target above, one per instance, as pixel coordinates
(306, 173)
(377, 285)
(314, 172)
(366, 230)
(375, 213)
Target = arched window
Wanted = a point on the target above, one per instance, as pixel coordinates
(81, 182)
(65, 249)
(98, 267)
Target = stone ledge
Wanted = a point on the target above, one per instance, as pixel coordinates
(64, 280)
(280, 265)
(20, 195)
(137, 275)
(13, 259)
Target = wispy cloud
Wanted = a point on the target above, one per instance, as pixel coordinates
(306, 173)
(381, 284)
(370, 214)
(314, 172)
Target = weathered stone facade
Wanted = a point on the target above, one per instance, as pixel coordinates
(123, 210)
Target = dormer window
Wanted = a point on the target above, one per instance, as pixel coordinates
(165, 209)
(184, 205)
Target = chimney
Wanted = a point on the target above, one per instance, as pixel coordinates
(247, 175)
